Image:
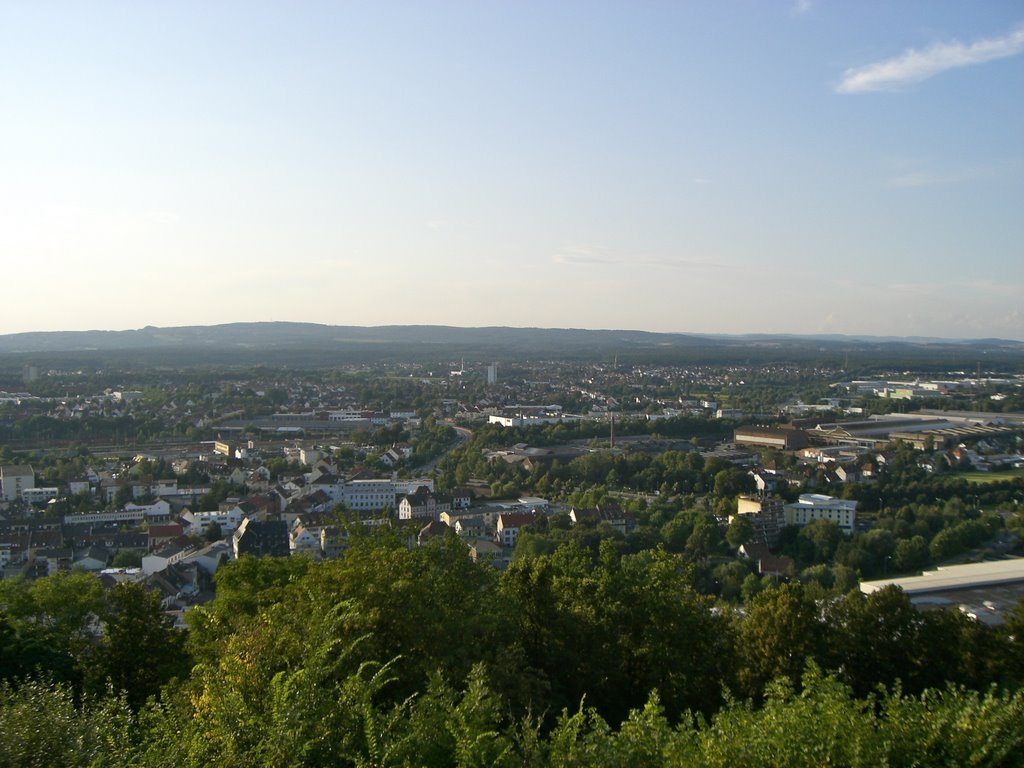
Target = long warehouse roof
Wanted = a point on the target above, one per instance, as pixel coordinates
(955, 577)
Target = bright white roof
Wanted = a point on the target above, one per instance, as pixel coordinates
(955, 577)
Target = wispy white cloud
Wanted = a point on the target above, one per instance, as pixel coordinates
(801, 7)
(581, 256)
(936, 178)
(991, 289)
(915, 65)
(912, 175)
(590, 256)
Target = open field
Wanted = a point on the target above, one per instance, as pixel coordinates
(992, 477)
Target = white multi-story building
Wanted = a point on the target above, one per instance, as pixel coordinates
(376, 494)
(347, 416)
(368, 495)
(817, 506)
(140, 488)
(413, 485)
(766, 515)
(132, 513)
(228, 520)
(39, 495)
(15, 478)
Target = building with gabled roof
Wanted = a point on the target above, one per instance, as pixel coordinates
(268, 538)
(423, 504)
(509, 525)
(608, 513)
(93, 558)
(170, 554)
(432, 530)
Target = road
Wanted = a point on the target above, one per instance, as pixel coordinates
(463, 437)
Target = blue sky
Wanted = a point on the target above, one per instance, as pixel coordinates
(695, 167)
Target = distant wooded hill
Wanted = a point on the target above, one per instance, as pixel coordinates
(285, 343)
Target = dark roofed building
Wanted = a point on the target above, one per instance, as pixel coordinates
(767, 563)
(432, 530)
(609, 513)
(261, 539)
(94, 558)
(423, 504)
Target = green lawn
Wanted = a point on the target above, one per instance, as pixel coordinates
(992, 477)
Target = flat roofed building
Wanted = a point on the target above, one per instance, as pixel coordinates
(15, 478)
(951, 577)
(39, 495)
(766, 515)
(368, 495)
(985, 591)
(817, 506)
(772, 437)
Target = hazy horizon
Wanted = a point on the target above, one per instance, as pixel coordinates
(709, 334)
(726, 168)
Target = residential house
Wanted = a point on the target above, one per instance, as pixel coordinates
(432, 530)
(199, 522)
(268, 538)
(333, 541)
(396, 454)
(39, 495)
(470, 527)
(94, 558)
(510, 524)
(52, 560)
(848, 473)
(609, 514)
(160, 535)
(170, 554)
(765, 481)
(423, 504)
(209, 558)
(304, 541)
(258, 479)
(462, 498)
(768, 564)
(490, 553)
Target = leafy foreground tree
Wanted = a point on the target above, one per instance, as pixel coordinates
(65, 628)
(44, 724)
(138, 651)
(391, 656)
(317, 714)
(824, 725)
(615, 629)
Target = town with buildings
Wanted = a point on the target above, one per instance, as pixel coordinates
(162, 482)
(454, 551)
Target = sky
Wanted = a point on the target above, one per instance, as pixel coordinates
(696, 167)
